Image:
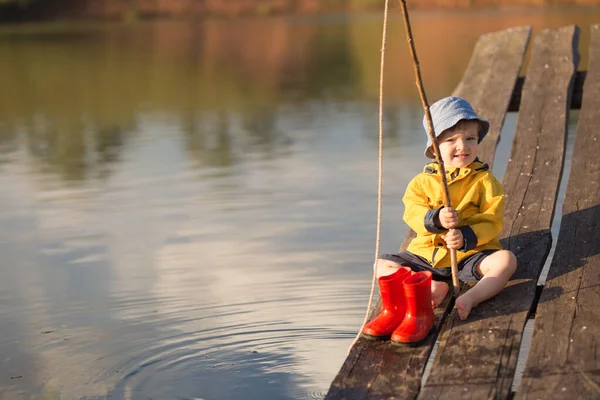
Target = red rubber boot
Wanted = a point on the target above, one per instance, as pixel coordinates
(419, 317)
(392, 306)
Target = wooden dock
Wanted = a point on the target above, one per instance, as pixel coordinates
(477, 358)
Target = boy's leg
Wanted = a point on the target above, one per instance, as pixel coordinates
(496, 269)
(386, 267)
(439, 289)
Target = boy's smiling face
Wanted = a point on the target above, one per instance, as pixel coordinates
(458, 145)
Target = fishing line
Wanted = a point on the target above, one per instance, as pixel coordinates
(380, 177)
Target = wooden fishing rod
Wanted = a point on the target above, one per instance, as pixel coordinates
(430, 131)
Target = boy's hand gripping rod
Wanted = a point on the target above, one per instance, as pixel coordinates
(430, 131)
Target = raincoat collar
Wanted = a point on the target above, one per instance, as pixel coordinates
(453, 173)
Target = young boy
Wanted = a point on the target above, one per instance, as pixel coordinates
(471, 225)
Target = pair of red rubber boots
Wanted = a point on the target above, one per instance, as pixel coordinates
(406, 311)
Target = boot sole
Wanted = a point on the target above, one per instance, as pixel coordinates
(414, 344)
(376, 338)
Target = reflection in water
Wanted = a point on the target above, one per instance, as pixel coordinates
(188, 208)
(208, 141)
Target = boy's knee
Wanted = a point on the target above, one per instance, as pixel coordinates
(386, 267)
(510, 261)
(502, 261)
(381, 262)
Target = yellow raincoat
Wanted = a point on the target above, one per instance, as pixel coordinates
(477, 196)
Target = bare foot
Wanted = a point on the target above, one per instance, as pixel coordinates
(438, 292)
(464, 304)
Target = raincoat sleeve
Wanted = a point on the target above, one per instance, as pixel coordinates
(487, 225)
(416, 207)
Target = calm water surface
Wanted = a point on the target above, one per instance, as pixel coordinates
(188, 209)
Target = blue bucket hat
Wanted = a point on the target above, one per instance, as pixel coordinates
(446, 113)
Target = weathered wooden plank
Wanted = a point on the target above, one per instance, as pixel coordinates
(476, 358)
(515, 100)
(489, 81)
(380, 369)
(564, 361)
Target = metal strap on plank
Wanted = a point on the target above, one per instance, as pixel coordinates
(563, 360)
(477, 358)
(380, 369)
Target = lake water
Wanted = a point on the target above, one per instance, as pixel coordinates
(188, 209)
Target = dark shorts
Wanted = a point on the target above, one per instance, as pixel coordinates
(467, 268)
